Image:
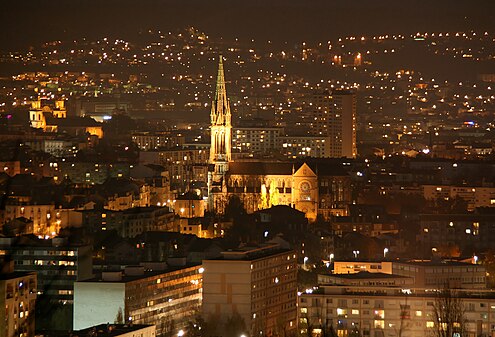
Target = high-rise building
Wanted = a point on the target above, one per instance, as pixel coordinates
(322, 107)
(257, 140)
(17, 304)
(342, 125)
(257, 283)
(334, 117)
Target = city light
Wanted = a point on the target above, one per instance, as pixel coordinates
(195, 167)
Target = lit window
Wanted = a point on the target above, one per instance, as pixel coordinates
(379, 324)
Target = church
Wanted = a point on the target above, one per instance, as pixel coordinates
(314, 186)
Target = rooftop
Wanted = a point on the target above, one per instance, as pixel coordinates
(134, 274)
(365, 275)
(251, 253)
(14, 275)
(107, 330)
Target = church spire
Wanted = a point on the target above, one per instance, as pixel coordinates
(220, 92)
(221, 127)
(220, 108)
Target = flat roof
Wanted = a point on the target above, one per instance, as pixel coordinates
(16, 274)
(130, 278)
(429, 263)
(251, 253)
(365, 275)
(107, 330)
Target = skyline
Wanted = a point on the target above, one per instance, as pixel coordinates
(245, 169)
(278, 20)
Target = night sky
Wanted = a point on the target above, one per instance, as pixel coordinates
(25, 23)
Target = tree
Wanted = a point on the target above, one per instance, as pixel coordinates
(199, 327)
(329, 331)
(404, 322)
(235, 325)
(354, 332)
(234, 210)
(119, 319)
(449, 314)
(274, 195)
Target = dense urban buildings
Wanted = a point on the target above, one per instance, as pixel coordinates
(57, 264)
(190, 173)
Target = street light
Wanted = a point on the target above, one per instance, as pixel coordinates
(385, 251)
(180, 333)
(305, 260)
(356, 253)
(332, 256)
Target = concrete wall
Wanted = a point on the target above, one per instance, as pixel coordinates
(97, 303)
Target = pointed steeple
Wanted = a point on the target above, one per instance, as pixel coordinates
(220, 108)
(220, 92)
(221, 127)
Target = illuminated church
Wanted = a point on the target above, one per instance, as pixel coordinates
(311, 187)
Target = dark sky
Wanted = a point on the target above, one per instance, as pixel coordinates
(27, 22)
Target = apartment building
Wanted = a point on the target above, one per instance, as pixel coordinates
(168, 297)
(17, 304)
(258, 283)
(389, 311)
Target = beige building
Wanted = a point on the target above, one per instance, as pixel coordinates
(388, 311)
(261, 185)
(38, 111)
(257, 140)
(364, 278)
(352, 267)
(17, 303)
(297, 146)
(475, 196)
(424, 273)
(185, 165)
(157, 140)
(47, 219)
(429, 274)
(258, 283)
(189, 205)
(342, 125)
(166, 297)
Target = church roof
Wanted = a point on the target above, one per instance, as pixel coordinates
(262, 168)
(322, 167)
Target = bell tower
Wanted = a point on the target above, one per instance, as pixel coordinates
(221, 136)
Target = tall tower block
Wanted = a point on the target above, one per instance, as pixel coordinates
(221, 133)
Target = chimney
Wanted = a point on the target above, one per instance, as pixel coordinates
(176, 261)
(111, 276)
(134, 270)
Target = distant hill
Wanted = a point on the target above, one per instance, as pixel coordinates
(29, 22)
